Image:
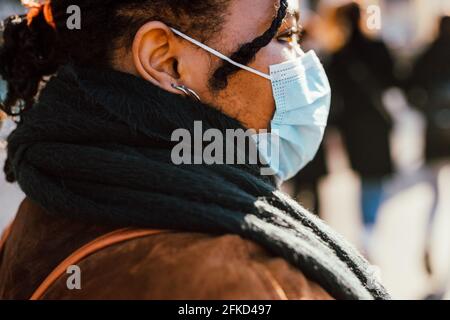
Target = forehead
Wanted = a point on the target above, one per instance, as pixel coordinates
(248, 19)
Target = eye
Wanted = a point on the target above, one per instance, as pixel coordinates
(290, 35)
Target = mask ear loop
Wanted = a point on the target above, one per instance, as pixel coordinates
(299, 51)
(220, 55)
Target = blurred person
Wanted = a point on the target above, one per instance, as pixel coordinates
(93, 153)
(429, 91)
(359, 73)
(305, 185)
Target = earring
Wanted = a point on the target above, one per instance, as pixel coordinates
(189, 92)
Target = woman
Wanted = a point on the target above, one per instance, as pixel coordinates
(94, 154)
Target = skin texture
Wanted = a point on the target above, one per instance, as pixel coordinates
(162, 58)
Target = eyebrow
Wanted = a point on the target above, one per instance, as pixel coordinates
(247, 52)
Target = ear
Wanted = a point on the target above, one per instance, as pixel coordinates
(154, 55)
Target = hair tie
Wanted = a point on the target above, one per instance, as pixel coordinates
(35, 8)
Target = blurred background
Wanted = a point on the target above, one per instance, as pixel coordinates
(382, 176)
(10, 195)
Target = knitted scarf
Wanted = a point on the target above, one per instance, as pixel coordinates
(97, 147)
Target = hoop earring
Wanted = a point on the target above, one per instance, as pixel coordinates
(188, 92)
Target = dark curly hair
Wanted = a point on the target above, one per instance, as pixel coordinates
(30, 53)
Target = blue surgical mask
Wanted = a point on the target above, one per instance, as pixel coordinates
(302, 97)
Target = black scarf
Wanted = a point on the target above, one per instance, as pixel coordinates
(97, 146)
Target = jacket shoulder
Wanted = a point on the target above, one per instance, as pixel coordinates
(186, 266)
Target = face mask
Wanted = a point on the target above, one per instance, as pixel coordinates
(302, 97)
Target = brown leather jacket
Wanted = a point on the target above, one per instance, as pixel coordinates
(139, 264)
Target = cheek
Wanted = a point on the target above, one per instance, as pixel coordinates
(253, 94)
(274, 53)
(197, 72)
(248, 98)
